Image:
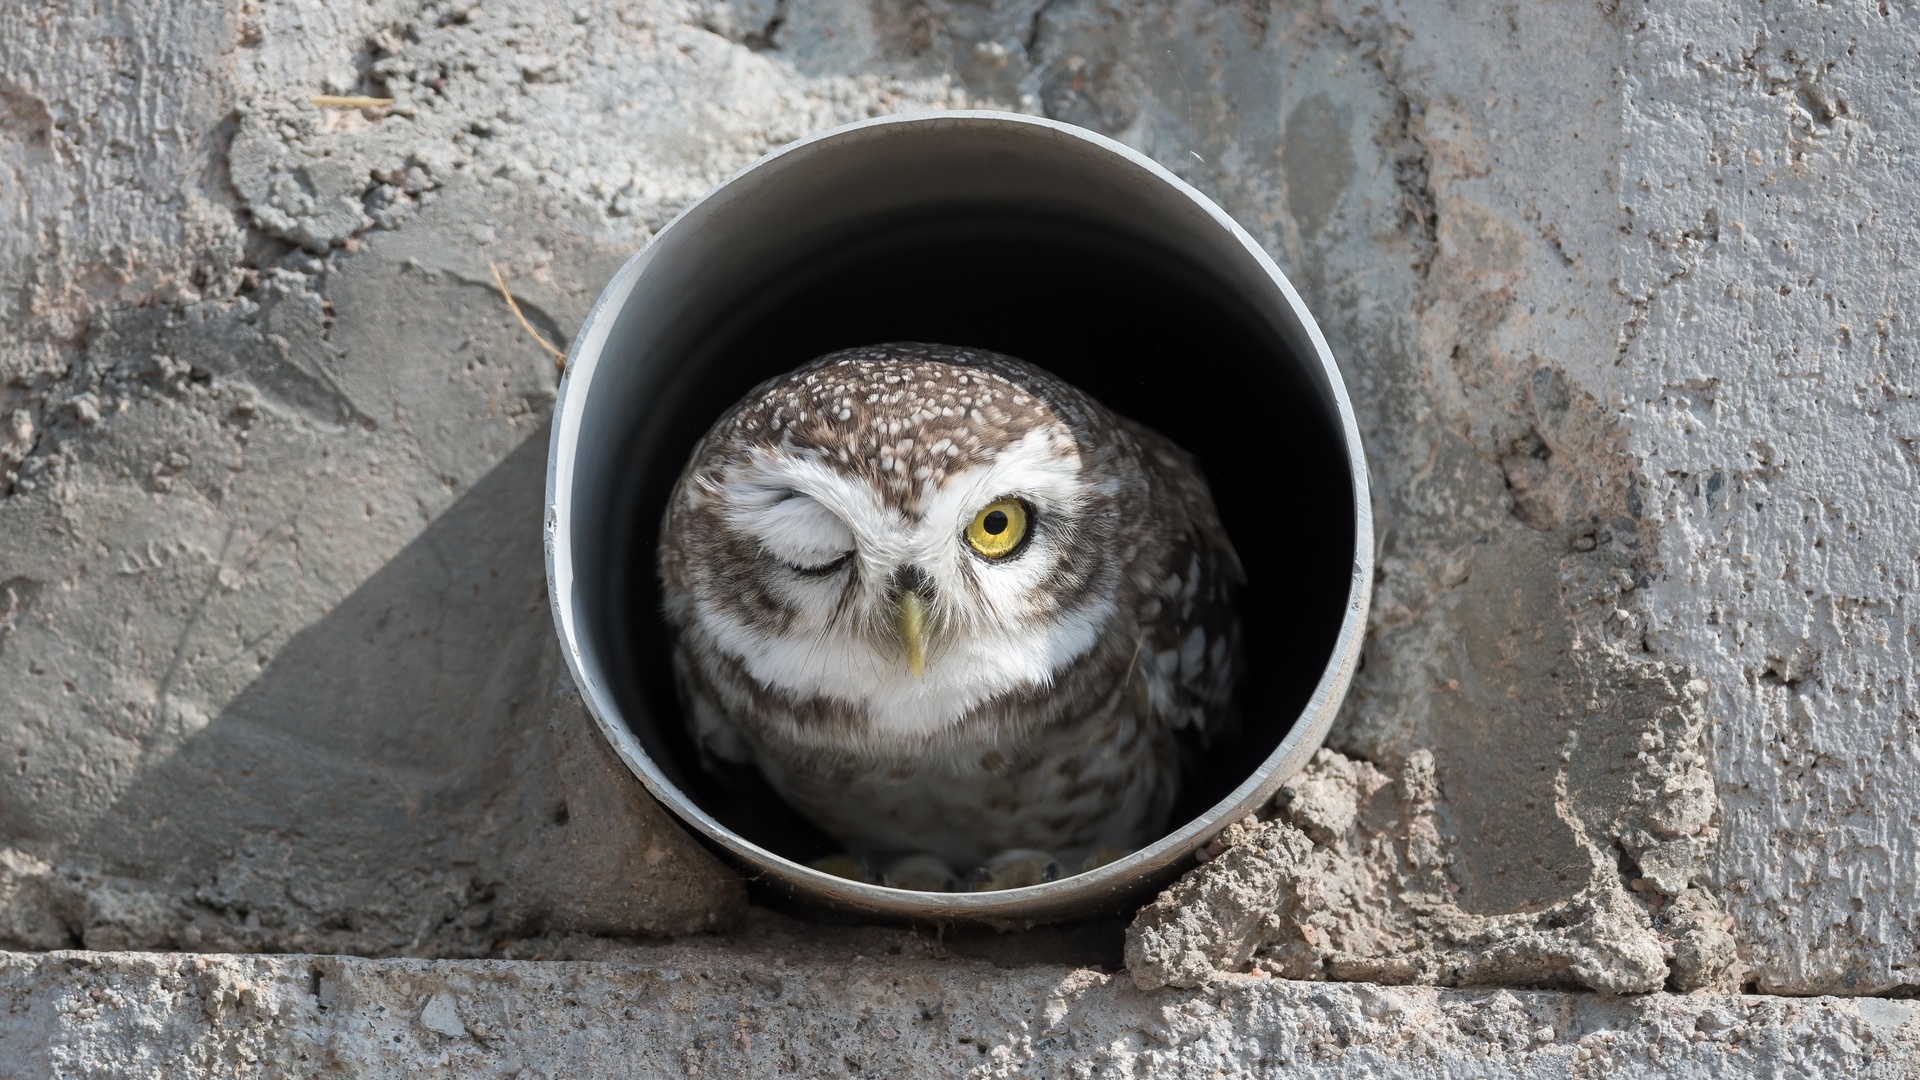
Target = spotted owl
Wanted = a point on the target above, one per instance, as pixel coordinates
(951, 607)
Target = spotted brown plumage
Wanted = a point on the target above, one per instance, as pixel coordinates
(913, 691)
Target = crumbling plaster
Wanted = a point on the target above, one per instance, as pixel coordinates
(1619, 295)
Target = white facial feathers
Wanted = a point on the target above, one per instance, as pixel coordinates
(793, 528)
(994, 625)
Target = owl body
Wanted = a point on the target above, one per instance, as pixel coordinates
(947, 603)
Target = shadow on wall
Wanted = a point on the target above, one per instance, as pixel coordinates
(390, 782)
(354, 786)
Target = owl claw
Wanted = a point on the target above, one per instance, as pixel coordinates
(1102, 856)
(1014, 869)
(843, 865)
(920, 873)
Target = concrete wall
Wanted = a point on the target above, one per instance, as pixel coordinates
(1621, 294)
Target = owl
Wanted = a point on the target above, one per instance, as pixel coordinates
(956, 612)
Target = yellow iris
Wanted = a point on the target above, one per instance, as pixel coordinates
(998, 528)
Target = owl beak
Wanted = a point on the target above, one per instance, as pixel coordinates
(913, 630)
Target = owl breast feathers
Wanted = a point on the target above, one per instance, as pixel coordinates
(949, 604)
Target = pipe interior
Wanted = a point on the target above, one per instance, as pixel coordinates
(1145, 331)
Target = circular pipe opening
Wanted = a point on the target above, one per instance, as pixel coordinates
(994, 231)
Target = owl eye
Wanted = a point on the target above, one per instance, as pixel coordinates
(798, 533)
(823, 569)
(998, 529)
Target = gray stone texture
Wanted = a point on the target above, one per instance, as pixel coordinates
(1621, 291)
(780, 1002)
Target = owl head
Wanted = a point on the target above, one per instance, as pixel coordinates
(910, 530)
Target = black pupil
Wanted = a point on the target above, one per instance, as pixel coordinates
(995, 523)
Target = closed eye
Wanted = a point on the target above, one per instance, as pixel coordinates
(799, 534)
(824, 569)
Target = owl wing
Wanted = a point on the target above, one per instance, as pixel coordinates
(715, 733)
(1188, 653)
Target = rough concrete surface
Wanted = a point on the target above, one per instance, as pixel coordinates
(1351, 882)
(1622, 293)
(782, 1003)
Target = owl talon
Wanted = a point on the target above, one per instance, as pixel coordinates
(920, 873)
(1102, 856)
(843, 865)
(1014, 869)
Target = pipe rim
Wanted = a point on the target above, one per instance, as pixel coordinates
(1076, 893)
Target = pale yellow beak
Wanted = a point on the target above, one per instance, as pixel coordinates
(913, 631)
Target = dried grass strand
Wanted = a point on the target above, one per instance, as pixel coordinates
(559, 358)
